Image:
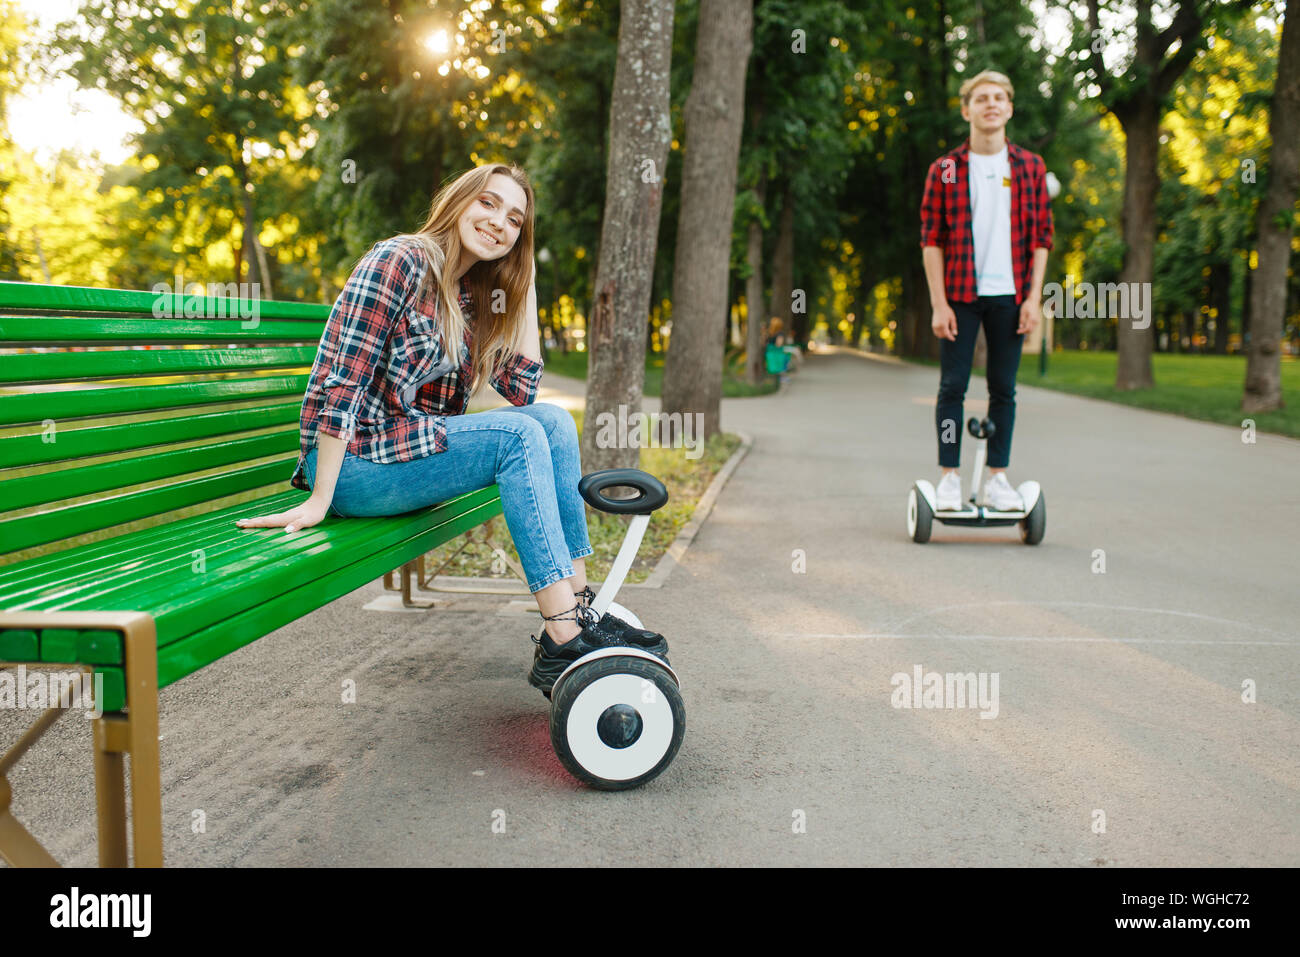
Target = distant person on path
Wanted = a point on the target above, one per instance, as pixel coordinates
(424, 318)
(774, 352)
(986, 228)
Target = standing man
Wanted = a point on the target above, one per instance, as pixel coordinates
(986, 228)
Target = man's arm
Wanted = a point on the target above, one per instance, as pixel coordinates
(932, 257)
(942, 320)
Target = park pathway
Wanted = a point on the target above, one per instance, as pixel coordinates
(1120, 736)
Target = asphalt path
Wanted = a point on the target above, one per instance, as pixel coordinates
(1144, 715)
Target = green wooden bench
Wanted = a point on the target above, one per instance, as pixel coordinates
(122, 472)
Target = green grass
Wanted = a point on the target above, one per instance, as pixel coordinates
(1197, 387)
(686, 480)
(574, 365)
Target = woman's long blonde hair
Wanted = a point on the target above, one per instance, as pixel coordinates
(498, 332)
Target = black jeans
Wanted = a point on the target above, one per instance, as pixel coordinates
(1000, 315)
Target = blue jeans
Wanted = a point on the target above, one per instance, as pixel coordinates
(1000, 316)
(529, 451)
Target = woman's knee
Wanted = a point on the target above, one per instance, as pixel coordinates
(553, 418)
(527, 437)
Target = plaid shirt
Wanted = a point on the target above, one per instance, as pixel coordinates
(382, 380)
(946, 218)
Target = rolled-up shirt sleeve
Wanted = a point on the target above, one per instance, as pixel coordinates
(358, 328)
(932, 206)
(518, 379)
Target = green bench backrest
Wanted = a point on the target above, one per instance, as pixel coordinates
(114, 433)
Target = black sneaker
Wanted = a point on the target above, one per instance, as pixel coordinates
(550, 659)
(650, 641)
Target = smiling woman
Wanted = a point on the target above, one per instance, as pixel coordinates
(424, 318)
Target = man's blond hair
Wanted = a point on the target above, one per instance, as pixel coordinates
(986, 76)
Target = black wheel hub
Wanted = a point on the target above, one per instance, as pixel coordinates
(619, 726)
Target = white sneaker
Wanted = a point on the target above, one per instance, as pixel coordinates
(947, 497)
(1000, 496)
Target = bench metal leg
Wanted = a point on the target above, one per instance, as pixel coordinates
(110, 798)
(18, 846)
(425, 579)
(413, 568)
(133, 732)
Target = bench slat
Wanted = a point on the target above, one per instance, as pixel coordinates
(184, 657)
(86, 479)
(85, 563)
(242, 568)
(119, 363)
(53, 525)
(79, 443)
(29, 331)
(150, 582)
(139, 578)
(70, 404)
(38, 296)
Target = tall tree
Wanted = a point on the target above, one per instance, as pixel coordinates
(1136, 96)
(755, 301)
(12, 27)
(1263, 390)
(715, 112)
(212, 87)
(793, 110)
(640, 131)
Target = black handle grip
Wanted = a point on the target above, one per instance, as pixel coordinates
(653, 494)
(981, 428)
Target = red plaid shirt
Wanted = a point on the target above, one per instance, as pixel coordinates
(946, 218)
(382, 380)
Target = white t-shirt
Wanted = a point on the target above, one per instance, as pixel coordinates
(990, 204)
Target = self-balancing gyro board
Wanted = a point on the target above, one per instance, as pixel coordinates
(617, 718)
(921, 511)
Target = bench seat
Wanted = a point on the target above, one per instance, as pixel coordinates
(212, 587)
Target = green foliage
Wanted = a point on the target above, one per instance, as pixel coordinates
(12, 28)
(344, 119)
(223, 124)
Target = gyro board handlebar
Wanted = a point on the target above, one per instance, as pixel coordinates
(653, 495)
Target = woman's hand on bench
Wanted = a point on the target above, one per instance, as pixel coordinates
(309, 513)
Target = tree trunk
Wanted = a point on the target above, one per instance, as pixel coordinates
(800, 316)
(1247, 299)
(248, 248)
(714, 118)
(40, 255)
(248, 252)
(267, 292)
(915, 337)
(1137, 105)
(783, 263)
(755, 303)
(1269, 292)
(1221, 300)
(640, 131)
(866, 303)
(1141, 184)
